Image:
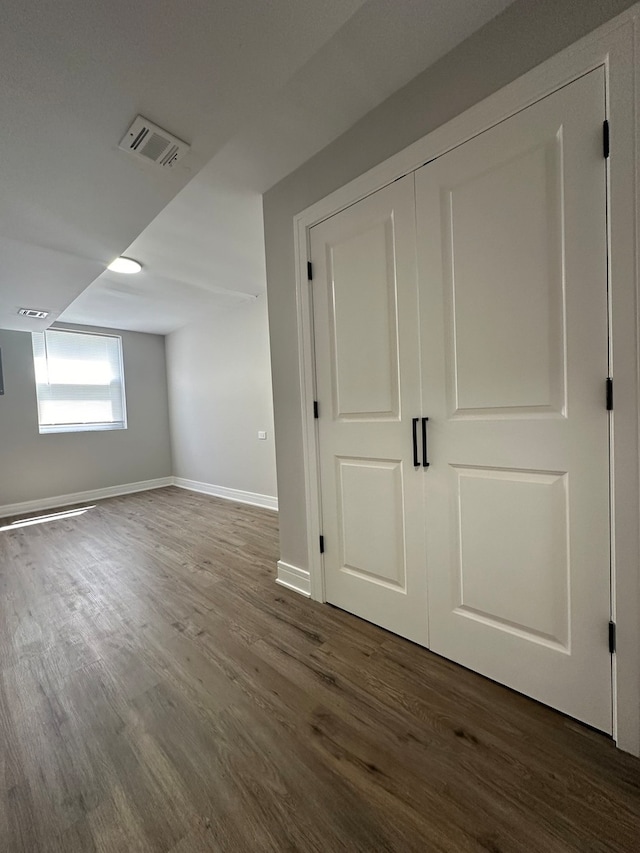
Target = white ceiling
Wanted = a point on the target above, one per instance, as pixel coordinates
(256, 87)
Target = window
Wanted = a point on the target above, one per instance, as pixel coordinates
(79, 381)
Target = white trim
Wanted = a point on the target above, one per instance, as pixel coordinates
(83, 497)
(613, 46)
(299, 580)
(253, 498)
(307, 374)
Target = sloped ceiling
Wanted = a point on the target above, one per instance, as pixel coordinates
(256, 87)
(74, 74)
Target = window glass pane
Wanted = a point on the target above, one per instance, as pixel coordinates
(75, 412)
(79, 381)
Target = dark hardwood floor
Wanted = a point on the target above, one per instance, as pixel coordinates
(159, 692)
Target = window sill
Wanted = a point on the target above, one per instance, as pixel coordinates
(57, 428)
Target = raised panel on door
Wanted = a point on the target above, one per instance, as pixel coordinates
(368, 387)
(371, 489)
(503, 227)
(512, 559)
(513, 294)
(364, 323)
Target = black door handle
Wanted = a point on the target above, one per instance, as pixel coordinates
(425, 464)
(416, 464)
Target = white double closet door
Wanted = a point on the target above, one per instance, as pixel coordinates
(474, 293)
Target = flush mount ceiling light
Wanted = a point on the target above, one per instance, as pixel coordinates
(125, 265)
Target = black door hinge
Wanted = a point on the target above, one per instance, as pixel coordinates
(309, 271)
(605, 138)
(612, 638)
(609, 394)
(322, 544)
(316, 409)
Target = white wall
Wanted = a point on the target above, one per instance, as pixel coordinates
(37, 467)
(219, 376)
(526, 34)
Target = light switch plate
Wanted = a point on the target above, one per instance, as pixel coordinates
(262, 435)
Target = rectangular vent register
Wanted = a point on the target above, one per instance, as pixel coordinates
(146, 139)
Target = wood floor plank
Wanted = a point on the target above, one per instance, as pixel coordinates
(158, 692)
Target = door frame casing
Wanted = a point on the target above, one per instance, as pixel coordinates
(612, 46)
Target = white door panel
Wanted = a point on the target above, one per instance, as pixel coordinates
(368, 378)
(512, 256)
(364, 323)
(494, 570)
(516, 367)
(371, 488)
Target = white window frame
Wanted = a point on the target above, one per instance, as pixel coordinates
(613, 46)
(96, 426)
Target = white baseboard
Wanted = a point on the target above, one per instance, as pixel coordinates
(23, 507)
(253, 498)
(83, 497)
(299, 580)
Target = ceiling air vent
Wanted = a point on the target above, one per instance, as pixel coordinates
(33, 312)
(146, 139)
